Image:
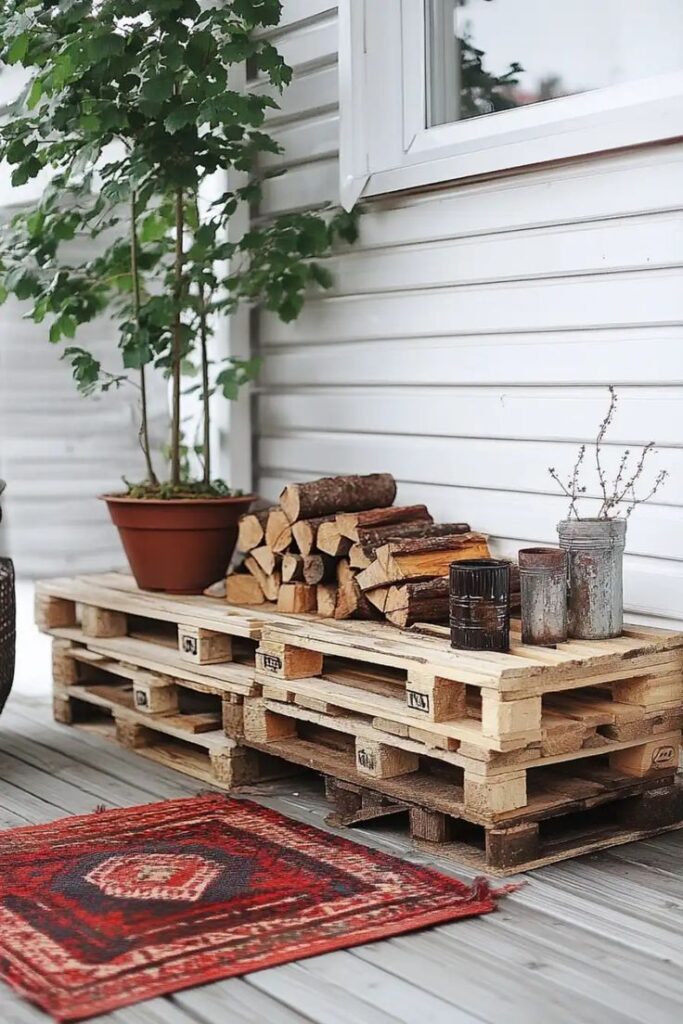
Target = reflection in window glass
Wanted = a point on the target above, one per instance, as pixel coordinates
(489, 55)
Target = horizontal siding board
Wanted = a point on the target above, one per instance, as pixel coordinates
(620, 356)
(642, 182)
(310, 43)
(633, 243)
(309, 185)
(308, 94)
(559, 414)
(313, 139)
(610, 300)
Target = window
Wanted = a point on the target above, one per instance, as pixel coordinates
(439, 90)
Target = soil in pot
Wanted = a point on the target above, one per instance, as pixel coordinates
(178, 545)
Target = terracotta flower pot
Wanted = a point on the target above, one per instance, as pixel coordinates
(180, 545)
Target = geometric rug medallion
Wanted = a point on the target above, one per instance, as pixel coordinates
(104, 910)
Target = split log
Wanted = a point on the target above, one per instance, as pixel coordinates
(330, 541)
(251, 530)
(416, 558)
(337, 494)
(326, 599)
(278, 531)
(216, 589)
(269, 583)
(350, 523)
(371, 539)
(305, 533)
(378, 597)
(351, 601)
(295, 598)
(357, 557)
(318, 569)
(292, 568)
(243, 588)
(417, 602)
(268, 559)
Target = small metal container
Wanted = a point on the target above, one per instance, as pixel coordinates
(479, 598)
(595, 553)
(543, 587)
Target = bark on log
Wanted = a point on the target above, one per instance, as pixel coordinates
(278, 531)
(337, 494)
(330, 541)
(292, 568)
(269, 584)
(319, 569)
(305, 532)
(251, 530)
(419, 559)
(268, 559)
(418, 602)
(326, 598)
(243, 588)
(350, 523)
(369, 540)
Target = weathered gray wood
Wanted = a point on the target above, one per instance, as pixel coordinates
(237, 1002)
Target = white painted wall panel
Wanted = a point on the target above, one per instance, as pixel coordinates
(469, 337)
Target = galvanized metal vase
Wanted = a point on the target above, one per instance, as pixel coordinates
(595, 554)
(480, 604)
(543, 587)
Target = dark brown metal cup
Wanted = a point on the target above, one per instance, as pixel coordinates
(479, 600)
(543, 589)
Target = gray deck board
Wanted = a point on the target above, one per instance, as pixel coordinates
(592, 941)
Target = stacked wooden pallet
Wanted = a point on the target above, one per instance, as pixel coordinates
(503, 760)
(340, 547)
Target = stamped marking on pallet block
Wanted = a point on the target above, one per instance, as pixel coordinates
(383, 761)
(156, 695)
(204, 646)
(660, 755)
(435, 699)
(286, 661)
(100, 622)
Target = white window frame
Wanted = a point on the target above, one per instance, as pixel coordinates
(386, 146)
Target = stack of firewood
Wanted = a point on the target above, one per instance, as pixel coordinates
(340, 547)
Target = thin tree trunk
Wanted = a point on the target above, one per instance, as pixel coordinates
(177, 340)
(144, 420)
(206, 401)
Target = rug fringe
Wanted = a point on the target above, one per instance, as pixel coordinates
(481, 888)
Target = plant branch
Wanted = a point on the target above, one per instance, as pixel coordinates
(177, 346)
(143, 433)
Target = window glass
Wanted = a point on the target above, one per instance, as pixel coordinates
(484, 56)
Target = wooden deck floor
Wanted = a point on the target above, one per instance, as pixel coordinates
(592, 941)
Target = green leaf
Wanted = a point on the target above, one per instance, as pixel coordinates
(200, 48)
(35, 94)
(159, 87)
(18, 49)
(181, 117)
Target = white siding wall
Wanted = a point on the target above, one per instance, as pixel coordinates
(470, 336)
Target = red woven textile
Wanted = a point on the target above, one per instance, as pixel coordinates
(108, 909)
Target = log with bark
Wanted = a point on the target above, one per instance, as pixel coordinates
(351, 601)
(268, 582)
(292, 568)
(278, 531)
(426, 601)
(418, 558)
(371, 539)
(305, 532)
(251, 530)
(337, 494)
(319, 569)
(351, 523)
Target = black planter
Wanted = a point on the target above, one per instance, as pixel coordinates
(479, 597)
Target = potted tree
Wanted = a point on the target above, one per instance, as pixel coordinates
(132, 111)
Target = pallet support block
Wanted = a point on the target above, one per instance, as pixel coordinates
(383, 761)
(495, 794)
(287, 662)
(62, 710)
(429, 826)
(232, 708)
(262, 726)
(53, 612)
(657, 756)
(508, 848)
(435, 699)
(652, 692)
(508, 720)
(236, 767)
(66, 671)
(100, 622)
(156, 695)
(204, 646)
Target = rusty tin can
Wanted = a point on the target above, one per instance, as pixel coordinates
(479, 600)
(595, 555)
(543, 588)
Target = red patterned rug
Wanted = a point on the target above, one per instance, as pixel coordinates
(104, 910)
